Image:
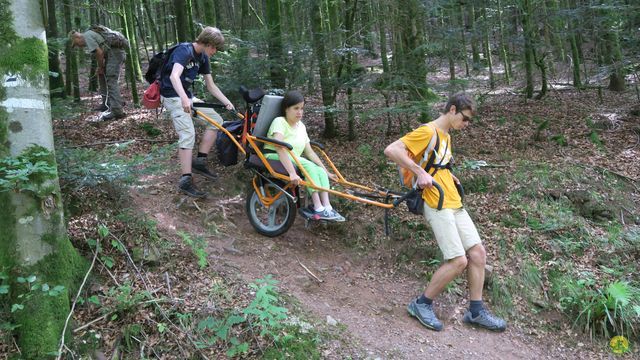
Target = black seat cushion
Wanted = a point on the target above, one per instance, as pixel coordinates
(255, 162)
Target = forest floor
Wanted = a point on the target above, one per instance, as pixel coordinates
(366, 279)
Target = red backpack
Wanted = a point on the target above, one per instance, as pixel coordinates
(151, 96)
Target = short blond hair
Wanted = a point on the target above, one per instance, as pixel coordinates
(211, 36)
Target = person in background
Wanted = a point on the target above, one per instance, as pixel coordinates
(109, 48)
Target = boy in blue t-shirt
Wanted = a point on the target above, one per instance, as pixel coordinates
(186, 62)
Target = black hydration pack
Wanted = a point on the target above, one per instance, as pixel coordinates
(156, 64)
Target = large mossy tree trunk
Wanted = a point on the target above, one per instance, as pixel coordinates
(33, 240)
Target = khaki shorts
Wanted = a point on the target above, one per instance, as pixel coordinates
(454, 231)
(183, 122)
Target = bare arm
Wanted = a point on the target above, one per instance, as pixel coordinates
(398, 153)
(99, 61)
(285, 160)
(311, 155)
(176, 71)
(215, 91)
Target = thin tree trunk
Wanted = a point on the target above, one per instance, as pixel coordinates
(326, 82)
(181, 22)
(56, 81)
(506, 62)
(382, 30)
(130, 72)
(275, 44)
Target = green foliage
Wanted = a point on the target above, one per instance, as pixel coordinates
(28, 58)
(560, 140)
(80, 168)
(29, 172)
(22, 290)
(593, 134)
(198, 246)
(263, 316)
(599, 309)
(150, 129)
(475, 184)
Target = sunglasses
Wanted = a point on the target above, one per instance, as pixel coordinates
(465, 118)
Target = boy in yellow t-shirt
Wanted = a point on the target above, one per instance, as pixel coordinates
(454, 230)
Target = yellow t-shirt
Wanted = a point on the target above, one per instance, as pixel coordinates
(417, 142)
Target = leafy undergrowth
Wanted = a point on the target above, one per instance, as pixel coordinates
(154, 294)
(553, 193)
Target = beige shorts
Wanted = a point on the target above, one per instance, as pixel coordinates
(454, 230)
(183, 122)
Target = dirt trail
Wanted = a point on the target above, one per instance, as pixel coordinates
(364, 294)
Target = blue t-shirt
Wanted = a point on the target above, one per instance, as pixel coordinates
(194, 64)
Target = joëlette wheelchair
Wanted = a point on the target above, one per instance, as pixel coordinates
(273, 200)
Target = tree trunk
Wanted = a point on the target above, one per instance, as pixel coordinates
(463, 39)
(475, 38)
(210, 13)
(326, 82)
(71, 54)
(33, 240)
(351, 6)
(181, 22)
(275, 44)
(506, 63)
(129, 12)
(56, 81)
(487, 47)
(129, 65)
(383, 38)
(528, 46)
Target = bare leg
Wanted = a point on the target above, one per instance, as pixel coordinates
(315, 197)
(208, 139)
(324, 196)
(445, 273)
(475, 271)
(185, 156)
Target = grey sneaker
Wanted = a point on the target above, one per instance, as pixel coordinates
(199, 166)
(186, 186)
(336, 216)
(485, 320)
(109, 115)
(424, 313)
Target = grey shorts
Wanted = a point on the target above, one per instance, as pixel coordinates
(183, 122)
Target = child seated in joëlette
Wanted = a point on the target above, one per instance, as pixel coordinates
(290, 129)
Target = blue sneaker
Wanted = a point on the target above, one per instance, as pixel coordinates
(485, 320)
(424, 313)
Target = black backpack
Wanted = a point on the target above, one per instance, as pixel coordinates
(226, 148)
(156, 64)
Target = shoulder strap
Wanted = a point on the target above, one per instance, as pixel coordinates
(429, 153)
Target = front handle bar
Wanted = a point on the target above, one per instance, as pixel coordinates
(412, 192)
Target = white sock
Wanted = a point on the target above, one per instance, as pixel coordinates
(328, 207)
(321, 208)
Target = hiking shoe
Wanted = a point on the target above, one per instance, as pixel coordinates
(485, 320)
(336, 216)
(424, 313)
(186, 186)
(199, 166)
(108, 115)
(327, 215)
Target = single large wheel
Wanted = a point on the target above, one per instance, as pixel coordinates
(275, 216)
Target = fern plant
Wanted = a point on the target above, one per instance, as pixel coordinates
(614, 311)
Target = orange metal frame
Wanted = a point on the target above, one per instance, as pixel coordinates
(267, 201)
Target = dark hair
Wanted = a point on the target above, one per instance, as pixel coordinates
(462, 101)
(291, 98)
